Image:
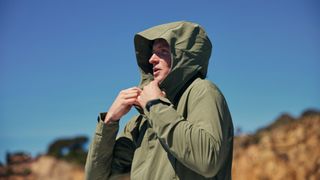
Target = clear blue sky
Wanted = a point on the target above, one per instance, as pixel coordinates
(62, 62)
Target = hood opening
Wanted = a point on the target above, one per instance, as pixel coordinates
(190, 53)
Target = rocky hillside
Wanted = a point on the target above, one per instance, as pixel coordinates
(42, 168)
(287, 149)
(49, 168)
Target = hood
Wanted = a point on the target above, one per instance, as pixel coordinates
(190, 53)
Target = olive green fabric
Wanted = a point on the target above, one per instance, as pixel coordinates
(187, 136)
(190, 49)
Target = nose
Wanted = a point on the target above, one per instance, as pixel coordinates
(154, 59)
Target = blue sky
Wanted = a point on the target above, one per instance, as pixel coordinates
(63, 62)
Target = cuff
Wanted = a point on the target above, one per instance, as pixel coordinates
(163, 101)
(102, 116)
(103, 128)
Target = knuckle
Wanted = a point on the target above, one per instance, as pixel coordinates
(125, 103)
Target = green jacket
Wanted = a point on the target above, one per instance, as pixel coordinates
(187, 136)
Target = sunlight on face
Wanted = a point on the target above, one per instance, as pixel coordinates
(160, 59)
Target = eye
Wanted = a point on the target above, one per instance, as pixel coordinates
(162, 52)
(165, 52)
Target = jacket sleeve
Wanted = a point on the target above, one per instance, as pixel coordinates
(202, 141)
(109, 157)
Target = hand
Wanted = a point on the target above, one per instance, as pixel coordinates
(150, 92)
(122, 104)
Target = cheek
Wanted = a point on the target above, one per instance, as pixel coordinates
(167, 67)
(168, 63)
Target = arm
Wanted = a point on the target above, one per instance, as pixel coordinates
(202, 142)
(109, 158)
(99, 158)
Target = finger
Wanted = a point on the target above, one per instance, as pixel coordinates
(131, 95)
(137, 103)
(134, 88)
(130, 101)
(163, 93)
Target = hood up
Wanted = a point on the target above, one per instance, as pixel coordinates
(190, 53)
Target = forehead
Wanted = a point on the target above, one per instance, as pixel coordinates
(160, 43)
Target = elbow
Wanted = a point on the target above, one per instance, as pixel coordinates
(208, 170)
(211, 164)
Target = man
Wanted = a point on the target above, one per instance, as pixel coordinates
(183, 130)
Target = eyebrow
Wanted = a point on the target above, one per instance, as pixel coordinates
(161, 45)
(160, 48)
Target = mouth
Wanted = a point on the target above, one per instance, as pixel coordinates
(156, 71)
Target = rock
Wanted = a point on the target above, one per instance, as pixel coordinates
(287, 149)
(49, 168)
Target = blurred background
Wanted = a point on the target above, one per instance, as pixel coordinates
(63, 62)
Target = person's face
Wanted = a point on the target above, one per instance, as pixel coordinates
(160, 59)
